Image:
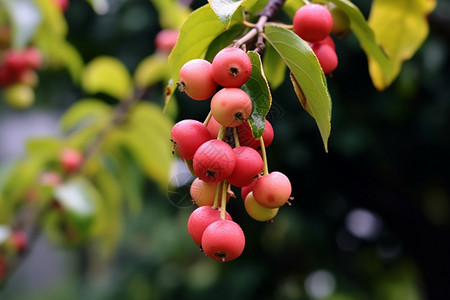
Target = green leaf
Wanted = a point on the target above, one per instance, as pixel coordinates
(258, 90)
(274, 67)
(400, 28)
(225, 40)
(306, 69)
(84, 113)
(25, 18)
(290, 7)
(151, 70)
(50, 146)
(78, 196)
(366, 37)
(147, 137)
(171, 13)
(225, 9)
(107, 75)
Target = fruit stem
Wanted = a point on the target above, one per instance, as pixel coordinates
(221, 132)
(218, 194)
(208, 118)
(264, 156)
(236, 137)
(223, 206)
(256, 30)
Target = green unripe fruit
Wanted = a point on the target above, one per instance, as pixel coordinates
(19, 96)
(257, 211)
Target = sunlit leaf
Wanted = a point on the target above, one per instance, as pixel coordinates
(84, 113)
(258, 90)
(107, 75)
(400, 28)
(291, 6)
(25, 18)
(172, 13)
(225, 9)
(151, 70)
(366, 37)
(225, 40)
(305, 67)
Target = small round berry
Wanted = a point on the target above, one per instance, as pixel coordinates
(272, 190)
(213, 127)
(246, 136)
(249, 165)
(326, 55)
(201, 218)
(312, 22)
(214, 161)
(231, 67)
(188, 135)
(196, 79)
(204, 193)
(231, 107)
(257, 211)
(223, 240)
(166, 39)
(71, 159)
(245, 190)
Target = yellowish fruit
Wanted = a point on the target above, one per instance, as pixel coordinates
(19, 96)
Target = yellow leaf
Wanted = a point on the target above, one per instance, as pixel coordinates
(400, 28)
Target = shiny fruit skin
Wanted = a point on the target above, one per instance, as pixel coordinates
(214, 161)
(231, 67)
(196, 79)
(312, 22)
(188, 135)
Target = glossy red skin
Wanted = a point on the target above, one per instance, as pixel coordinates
(246, 136)
(213, 127)
(188, 135)
(201, 218)
(166, 39)
(229, 59)
(272, 190)
(228, 102)
(71, 159)
(328, 40)
(223, 240)
(312, 22)
(247, 189)
(196, 79)
(249, 165)
(326, 55)
(214, 161)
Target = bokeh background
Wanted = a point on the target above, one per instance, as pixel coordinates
(370, 219)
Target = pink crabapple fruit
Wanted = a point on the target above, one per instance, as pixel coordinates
(166, 39)
(231, 67)
(201, 218)
(223, 240)
(312, 22)
(196, 79)
(246, 136)
(231, 107)
(71, 159)
(326, 55)
(245, 190)
(249, 165)
(188, 135)
(203, 193)
(214, 161)
(272, 190)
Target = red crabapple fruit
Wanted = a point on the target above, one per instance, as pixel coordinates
(231, 107)
(188, 135)
(196, 79)
(272, 190)
(257, 211)
(249, 165)
(231, 67)
(312, 22)
(201, 218)
(326, 55)
(245, 190)
(204, 193)
(71, 159)
(166, 39)
(213, 127)
(214, 161)
(246, 136)
(223, 240)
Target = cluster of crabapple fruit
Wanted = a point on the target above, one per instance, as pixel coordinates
(314, 23)
(222, 152)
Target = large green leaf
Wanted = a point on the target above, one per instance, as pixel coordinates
(274, 67)
(84, 113)
(107, 75)
(225, 9)
(225, 40)
(258, 90)
(25, 18)
(400, 28)
(366, 37)
(306, 69)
